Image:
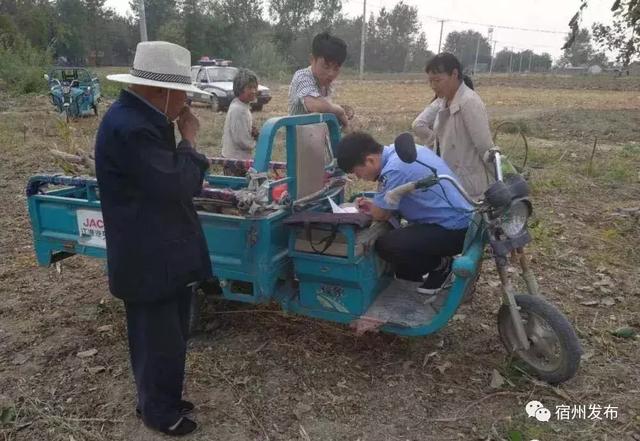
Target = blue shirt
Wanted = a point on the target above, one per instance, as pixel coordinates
(440, 204)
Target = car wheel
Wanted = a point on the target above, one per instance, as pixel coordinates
(215, 105)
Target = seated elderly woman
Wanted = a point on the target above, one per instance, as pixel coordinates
(239, 134)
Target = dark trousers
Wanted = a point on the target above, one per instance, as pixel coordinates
(417, 249)
(158, 335)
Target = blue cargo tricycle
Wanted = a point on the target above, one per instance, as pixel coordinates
(325, 270)
(74, 91)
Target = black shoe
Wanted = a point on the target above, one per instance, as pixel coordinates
(184, 426)
(433, 283)
(184, 408)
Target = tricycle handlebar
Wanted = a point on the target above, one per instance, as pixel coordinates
(393, 196)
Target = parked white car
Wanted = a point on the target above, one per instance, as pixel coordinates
(218, 81)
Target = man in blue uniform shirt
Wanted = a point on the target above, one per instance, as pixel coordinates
(438, 216)
(155, 244)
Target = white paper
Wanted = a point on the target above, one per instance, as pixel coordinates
(338, 209)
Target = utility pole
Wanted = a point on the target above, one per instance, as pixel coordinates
(475, 63)
(530, 57)
(520, 67)
(491, 43)
(143, 22)
(493, 54)
(510, 60)
(363, 37)
(440, 40)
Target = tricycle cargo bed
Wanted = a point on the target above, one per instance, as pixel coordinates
(248, 254)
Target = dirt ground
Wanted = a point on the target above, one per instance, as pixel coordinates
(257, 374)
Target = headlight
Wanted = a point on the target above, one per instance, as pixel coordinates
(514, 220)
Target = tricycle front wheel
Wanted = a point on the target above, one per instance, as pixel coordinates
(554, 350)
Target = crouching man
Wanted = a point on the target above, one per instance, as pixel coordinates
(438, 217)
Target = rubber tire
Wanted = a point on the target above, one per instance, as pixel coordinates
(76, 110)
(195, 312)
(215, 104)
(569, 343)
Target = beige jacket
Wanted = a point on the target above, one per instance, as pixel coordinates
(461, 131)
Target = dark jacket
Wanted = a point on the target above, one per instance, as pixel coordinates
(155, 243)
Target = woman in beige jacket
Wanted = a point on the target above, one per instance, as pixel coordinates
(456, 125)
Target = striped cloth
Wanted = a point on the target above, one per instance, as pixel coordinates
(304, 84)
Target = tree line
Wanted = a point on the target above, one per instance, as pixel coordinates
(273, 38)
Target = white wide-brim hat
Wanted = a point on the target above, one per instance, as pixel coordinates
(160, 64)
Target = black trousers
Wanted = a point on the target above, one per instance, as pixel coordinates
(158, 334)
(417, 249)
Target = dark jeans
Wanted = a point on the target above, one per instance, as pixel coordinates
(158, 334)
(417, 249)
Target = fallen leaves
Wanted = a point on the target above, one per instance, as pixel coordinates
(88, 353)
(96, 369)
(625, 332)
(497, 380)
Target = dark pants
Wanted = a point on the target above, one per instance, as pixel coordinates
(417, 249)
(234, 170)
(158, 335)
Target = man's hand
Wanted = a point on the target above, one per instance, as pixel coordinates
(363, 204)
(348, 110)
(188, 125)
(342, 116)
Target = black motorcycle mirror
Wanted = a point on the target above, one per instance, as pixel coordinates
(406, 147)
(407, 152)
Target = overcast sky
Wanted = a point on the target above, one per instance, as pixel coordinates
(549, 15)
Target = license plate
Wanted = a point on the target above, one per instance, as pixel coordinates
(91, 228)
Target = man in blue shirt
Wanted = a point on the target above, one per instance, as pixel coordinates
(438, 216)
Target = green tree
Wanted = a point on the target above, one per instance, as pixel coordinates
(581, 51)
(622, 36)
(71, 36)
(503, 61)
(420, 54)
(241, 22)
(291, 18)
(172, 31)
(463, 45)
(96, 27)
(157, 13)
(390, 38)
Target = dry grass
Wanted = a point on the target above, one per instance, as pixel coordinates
(258, 374)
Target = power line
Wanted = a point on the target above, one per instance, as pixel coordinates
(515, 46)
(513, 28)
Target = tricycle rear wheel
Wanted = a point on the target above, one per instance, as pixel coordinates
(195, 310)
(554, 350)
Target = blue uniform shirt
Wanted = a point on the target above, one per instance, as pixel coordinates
(422, 206)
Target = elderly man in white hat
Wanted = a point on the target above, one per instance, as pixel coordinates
(156, 250)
